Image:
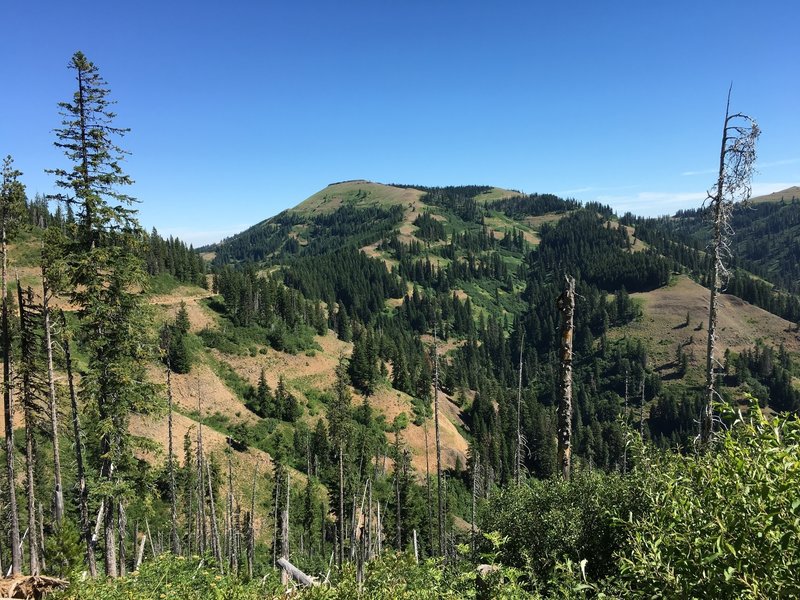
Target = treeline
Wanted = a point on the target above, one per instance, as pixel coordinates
(685, 249)
(286, 319)
(459, 200)
(173, 256)
(765, 240)
(601, 253)
(292, 234)
(532, 205)
(769, 374)
(161, 255)
(346, 277)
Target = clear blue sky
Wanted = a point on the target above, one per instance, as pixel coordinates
(241, 109)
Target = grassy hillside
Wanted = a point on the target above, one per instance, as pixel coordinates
(358, 193)
(787, 195)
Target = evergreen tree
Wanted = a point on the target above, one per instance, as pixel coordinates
(101, 261)
(12, 206)
(339, 426)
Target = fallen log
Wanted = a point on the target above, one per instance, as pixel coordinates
(30, 587)
(296, 573)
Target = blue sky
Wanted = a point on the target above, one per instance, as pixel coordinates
(241, 109)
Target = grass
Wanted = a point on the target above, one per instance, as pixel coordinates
(361, 193)
(232, 380)
(496, 194)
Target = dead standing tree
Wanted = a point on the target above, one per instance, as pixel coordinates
(736, 166)
(566, 305)
(520, 442)
(442, 545)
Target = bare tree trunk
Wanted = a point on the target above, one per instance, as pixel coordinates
(398, 506)
(341, 506)
(110, 539)
(33, 549)
(83, 490)
(475, 462)
(122, 521)
(369, 553)
(625, 420)
(276, 494)
(8, 410)
(641, 412)
(175, 544)
(150, 538)
(438, 444)
(428, 485)
(140, 552)
(230, 518)
(518, 455)
(42, 561)
(736, 163)
(285, 527)
(237, 545)
(251, 531)
(201, 491)
(58, 490)
(215, 542)
(380, 530)
(566, 305)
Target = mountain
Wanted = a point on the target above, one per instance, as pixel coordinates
(330, 322)
(764, 239)
(788, 195)
(483, 264)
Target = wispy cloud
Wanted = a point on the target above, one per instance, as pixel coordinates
(702, 172)
(777, 163)
(762, 188)
(652, 203)
(759, 165)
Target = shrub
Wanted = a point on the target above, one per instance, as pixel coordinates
(168, 577)
(723, 524)
(549, 523)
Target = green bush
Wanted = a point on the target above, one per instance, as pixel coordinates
(396, 575)
(723, 524)
(549, 522)
(168, 577)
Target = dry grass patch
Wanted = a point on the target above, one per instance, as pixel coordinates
(740, 323)
(391, 403)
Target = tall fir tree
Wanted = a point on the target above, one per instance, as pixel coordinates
(12, 209)
(101, 253)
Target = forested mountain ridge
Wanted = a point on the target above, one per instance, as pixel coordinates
(482, 265)
(373, 293)
(765, 242)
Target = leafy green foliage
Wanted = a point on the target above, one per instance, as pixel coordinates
(168, 577)
(546, 522)
(396, 575)
(723, 524)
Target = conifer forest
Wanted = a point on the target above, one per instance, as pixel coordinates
(393, 390)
